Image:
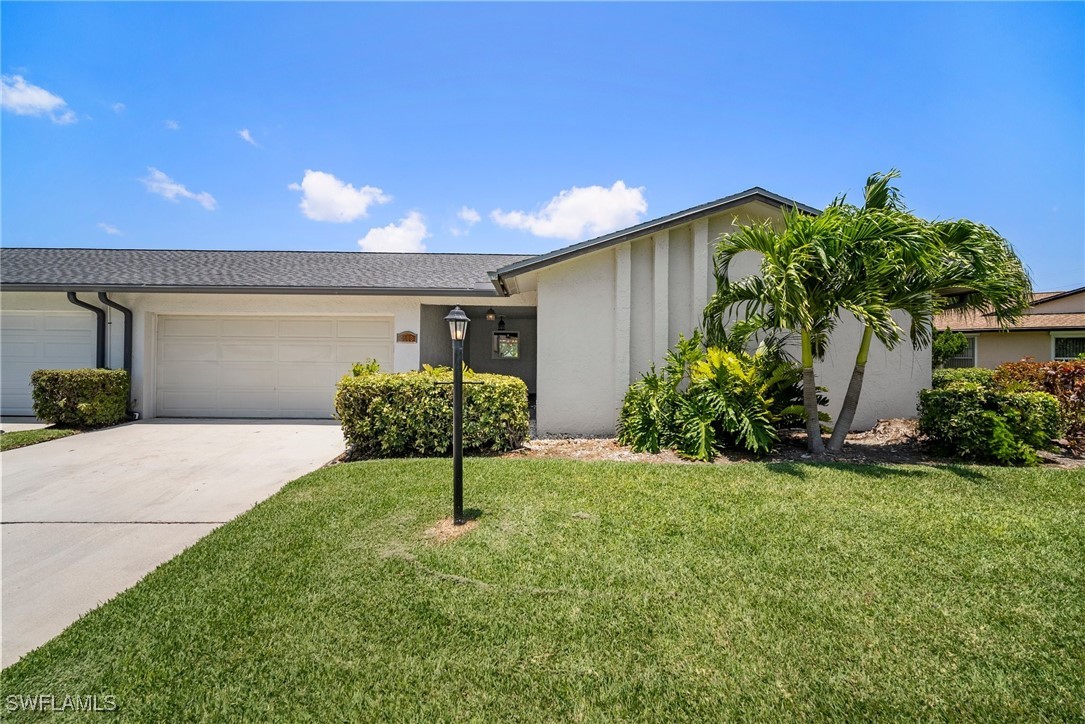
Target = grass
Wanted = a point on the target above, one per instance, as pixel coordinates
(22, 438)
(606, 591)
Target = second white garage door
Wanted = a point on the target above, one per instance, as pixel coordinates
(262, 366)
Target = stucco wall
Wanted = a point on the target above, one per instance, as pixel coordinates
(994, 348)
(588, 354)
(1066, 305)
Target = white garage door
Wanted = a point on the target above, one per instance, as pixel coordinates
(262, 366)
(40, 340)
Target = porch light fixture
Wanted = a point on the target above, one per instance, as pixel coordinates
(501, 325)
(457, 325)
(491, 315)
(457, 328)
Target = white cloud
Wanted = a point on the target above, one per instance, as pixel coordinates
(118, 108)
(161, 184)
(326, 198)
(171, 125)
(580, 213)
(109, 228)
(406, 236)
(469, 215)
(26, 99)
(247, 137)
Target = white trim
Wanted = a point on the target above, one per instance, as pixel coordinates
(1063, 335)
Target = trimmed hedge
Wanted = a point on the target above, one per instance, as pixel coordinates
(80, 398)
(979, 375)
(1064, 380)
(979, 423)
(409, 414)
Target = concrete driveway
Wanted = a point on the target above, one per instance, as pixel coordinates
(87, 516)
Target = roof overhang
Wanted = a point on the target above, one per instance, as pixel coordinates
(712, 208)
(177, 289)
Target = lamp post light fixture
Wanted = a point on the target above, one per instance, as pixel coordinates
(457, 327)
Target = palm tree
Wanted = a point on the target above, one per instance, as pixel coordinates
(802, 285)
(908, 268)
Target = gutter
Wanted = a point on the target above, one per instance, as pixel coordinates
(99, 351)
(104, 299)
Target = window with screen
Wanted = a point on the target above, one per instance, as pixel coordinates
(1068, 348)
(965, 358)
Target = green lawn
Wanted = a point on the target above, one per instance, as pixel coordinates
(22, 438)
(609, 591)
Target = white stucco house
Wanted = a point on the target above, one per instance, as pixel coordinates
(268, 333)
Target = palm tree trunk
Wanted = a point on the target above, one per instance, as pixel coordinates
(810, 398)
(851, 399)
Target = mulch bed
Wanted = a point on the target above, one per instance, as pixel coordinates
(889, 441)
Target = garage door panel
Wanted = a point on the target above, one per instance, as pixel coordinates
(264, 352)
(249, 327)
(65, 322)
(17, 322)
(262, 366)
(308, 328)
(61, 351)
(307, 352)
(189, 351)
(247, 377)
(352, 328)
(189, 327)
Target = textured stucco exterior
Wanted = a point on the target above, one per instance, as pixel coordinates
(994, 348)
(605, 317)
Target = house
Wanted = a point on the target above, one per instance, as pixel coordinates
(1052, 328)
(268, 333)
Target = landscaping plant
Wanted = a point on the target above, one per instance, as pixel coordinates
(708, 398)
(408, 414)
(945, 345)
(870, 262)
(1065, 380)
(80, 398)
(983, 422)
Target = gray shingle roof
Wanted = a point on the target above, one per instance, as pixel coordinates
(298, 271)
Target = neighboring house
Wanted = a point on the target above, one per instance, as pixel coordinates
(268, 333)
(1052, 328)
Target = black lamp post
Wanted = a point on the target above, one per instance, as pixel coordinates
(457, 327)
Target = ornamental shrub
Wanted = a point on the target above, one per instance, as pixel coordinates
(978, 423)
(946, 344)
(978, 375)
(409, 414)
(1065, 380)
(80, 398)
(709, 398)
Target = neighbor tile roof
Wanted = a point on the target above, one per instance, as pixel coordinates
(162, 269)
(1035, 320)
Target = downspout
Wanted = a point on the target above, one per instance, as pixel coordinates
(104, 299)
(100, 346)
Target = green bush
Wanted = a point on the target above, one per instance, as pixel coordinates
(978, 375)
(80, 398)
(709, 398)
(946, 344)
(978, 423)
(409, 414)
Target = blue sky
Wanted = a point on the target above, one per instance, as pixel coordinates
(523, 128)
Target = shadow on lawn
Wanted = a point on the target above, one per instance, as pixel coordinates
(877, 470)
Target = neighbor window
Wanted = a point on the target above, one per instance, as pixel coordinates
(1068, 348)
(506, 345)
(965, 358)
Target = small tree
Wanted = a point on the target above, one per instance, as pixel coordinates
(945, 345)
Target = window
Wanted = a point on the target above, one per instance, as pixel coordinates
(966, 358)
(1068, 348)
(506, 345)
